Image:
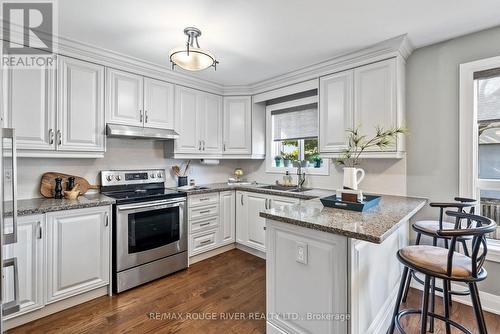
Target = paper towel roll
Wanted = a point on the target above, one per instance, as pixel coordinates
(209, 161)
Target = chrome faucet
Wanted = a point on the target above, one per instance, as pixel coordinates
(301, 176)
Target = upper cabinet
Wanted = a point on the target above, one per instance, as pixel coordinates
(139, 101)
(237, 122)
(198, 119)
(72, 126)
(80, 110)
(365, 97)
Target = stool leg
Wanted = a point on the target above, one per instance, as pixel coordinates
(425, 304)
(433, 304)
(450, 301)
(446, 305)
(478, 311)
(466, 250)
(398, 299)
(408, 283)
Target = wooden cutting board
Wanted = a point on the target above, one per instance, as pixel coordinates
(48, 183)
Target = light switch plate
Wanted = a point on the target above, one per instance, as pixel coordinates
(301, 252)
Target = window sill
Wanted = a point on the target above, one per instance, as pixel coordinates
(324, 171)
(493, 250)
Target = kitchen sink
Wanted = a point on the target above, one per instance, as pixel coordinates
(292, 189)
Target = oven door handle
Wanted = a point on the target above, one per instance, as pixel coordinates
(160, 204)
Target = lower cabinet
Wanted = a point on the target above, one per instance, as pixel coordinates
(250, 227)
(28, 265)
(57, 255)
(227, 227)
(77, 252)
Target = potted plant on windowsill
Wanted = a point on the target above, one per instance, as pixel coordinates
(288, 158)
(277, 160)
(316, 160)
(356, 145)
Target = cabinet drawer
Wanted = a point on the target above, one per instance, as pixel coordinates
(202, 242)
(202, 212)
(202, 225)
(205, 199)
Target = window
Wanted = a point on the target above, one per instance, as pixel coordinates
(292, 132)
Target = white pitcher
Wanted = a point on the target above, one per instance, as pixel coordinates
(351, 179)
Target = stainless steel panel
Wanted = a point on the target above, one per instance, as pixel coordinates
(12, 306)
(115, 130)
(147, 272)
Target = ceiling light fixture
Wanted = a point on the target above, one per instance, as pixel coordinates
(191, 57)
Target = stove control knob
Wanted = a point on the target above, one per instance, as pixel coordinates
(118, 178)
(159, 175)
(109, 178)
(152, 175)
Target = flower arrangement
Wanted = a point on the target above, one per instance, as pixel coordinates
(357, 143)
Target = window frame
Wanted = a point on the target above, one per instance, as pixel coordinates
(469, 182)
(272, 146)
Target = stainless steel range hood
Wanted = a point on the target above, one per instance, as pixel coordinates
(138, 132)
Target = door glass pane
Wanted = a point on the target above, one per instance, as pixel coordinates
(152, 229)
(490, 207)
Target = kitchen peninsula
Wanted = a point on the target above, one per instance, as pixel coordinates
(334, 271)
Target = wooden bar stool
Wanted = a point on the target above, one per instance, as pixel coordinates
(450, 266)
(429, 228)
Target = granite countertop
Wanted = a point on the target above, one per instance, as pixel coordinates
(373, 225)
(257, 188)
(26, 207)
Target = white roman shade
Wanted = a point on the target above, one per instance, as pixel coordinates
(300, 122)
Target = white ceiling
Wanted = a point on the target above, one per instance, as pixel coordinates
(258, 39)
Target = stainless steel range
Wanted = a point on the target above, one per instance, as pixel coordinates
(149, 226)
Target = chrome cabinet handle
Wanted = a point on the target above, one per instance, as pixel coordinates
(241, 199)
(51, 136)
(205, 242)
(203, 212)
(203, 145)
(146, 117)
(204, 224)
(270, 205)
(204, 199)
(106, 222)
(140, 116)
(59, 137)
(264, 228)
(39, 230)
(12, 306)
(224, 147)
(199, 145)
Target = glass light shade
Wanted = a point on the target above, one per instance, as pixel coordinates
(196, 60)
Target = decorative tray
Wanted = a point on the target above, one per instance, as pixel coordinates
(333, 202)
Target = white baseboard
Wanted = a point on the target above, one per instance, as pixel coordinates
(489, 302)
(252, 251)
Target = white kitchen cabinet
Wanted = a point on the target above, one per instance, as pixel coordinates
(124, 94)
(237, 122)
(158, 104)
(335, 110)
(227, 221)
(198, 117)
(375, 97)
(28, 252)
(29, 107)
(80, 112)
(77, 251)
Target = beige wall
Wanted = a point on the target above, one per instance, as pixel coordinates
(432, 117)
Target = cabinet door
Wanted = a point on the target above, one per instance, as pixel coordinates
(237, 125)
(209, 123)
(252, 226)
(29, 107)
(124, 95)
(28, 252)
(80, 115)
(375, 97)
(185, 120)
(335, 111)
(227, 221)
(77, 252)
(158, 104)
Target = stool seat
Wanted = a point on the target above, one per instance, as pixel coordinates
(430, 227)
(435, 259)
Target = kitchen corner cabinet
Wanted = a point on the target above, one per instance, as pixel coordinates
(364, 97)
(237, 120)
(227, 218)
(198, 119)
(139, 101)
(72, 125)
(28, 252)
(250, 227)
(77, 251)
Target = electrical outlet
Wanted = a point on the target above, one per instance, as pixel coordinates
(301, 252)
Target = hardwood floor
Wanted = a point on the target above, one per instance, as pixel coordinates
(232, 283)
